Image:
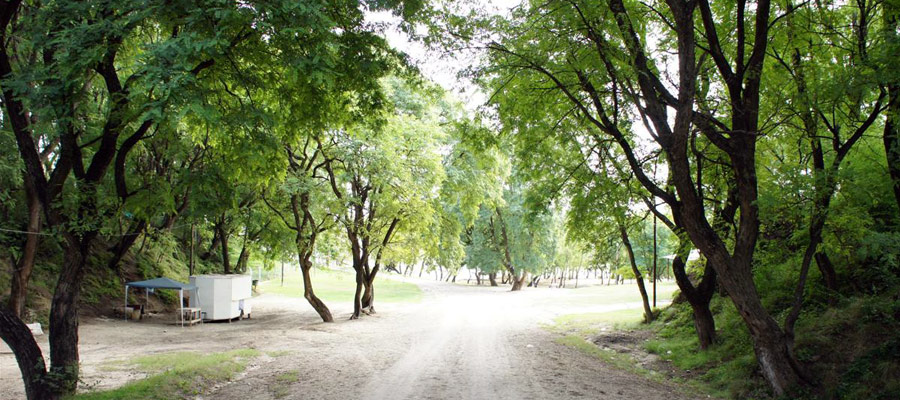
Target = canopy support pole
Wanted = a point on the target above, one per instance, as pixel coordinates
(181, 303)
(126, 303)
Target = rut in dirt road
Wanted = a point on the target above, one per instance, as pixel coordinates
(471, 343)
(466, 353)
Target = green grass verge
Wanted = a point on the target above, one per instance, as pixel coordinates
(617, 294)
(590, 322)
(177, 375)
(339, 286)
(727, 368)
(620, 361)
(574, 328)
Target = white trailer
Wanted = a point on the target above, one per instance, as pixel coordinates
(222, 296)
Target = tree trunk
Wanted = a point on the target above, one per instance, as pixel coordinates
(368, 297)
(223, 239)
(357, 296)
(125, 243)
(518, 282)
(699, 298)
(243, 259)
(828, 275)
(771, 345)
(213, 245)
(25, 265)
(64, 316)
(507, 260)
(310, 296)
(28, 355)
(493, 278)
(891, 135)
(704, 324)
(648, 313)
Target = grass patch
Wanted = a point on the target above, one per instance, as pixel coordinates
(178, 375)
(675, 342)
(337, 286)
(620, 361)
(283, 382)
(278, 353)
(288, 377)
(726, 369)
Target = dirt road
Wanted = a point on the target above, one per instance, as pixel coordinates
(458, 343)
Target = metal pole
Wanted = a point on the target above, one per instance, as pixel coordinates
(191, 265)
(654, 238)
(181, 303)
(126, 303)
(654, 260)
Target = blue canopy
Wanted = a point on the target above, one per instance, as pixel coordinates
(161, 283)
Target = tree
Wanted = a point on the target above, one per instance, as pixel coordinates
(601, 68)
(891, 84)
(105, 75)
(601, 207)
(847, 103)
(304, 183)
(384, 172)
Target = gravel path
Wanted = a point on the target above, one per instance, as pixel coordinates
(460, 342)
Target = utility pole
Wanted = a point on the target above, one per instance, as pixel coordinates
(191, 265)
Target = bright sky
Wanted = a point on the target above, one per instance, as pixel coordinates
(437, 66)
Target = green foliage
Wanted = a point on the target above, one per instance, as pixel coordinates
(162, 257)
(874, 375)
(726, 368)
(512, 232)
(853, 347)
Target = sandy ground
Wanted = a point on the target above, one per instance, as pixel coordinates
(460, 342)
